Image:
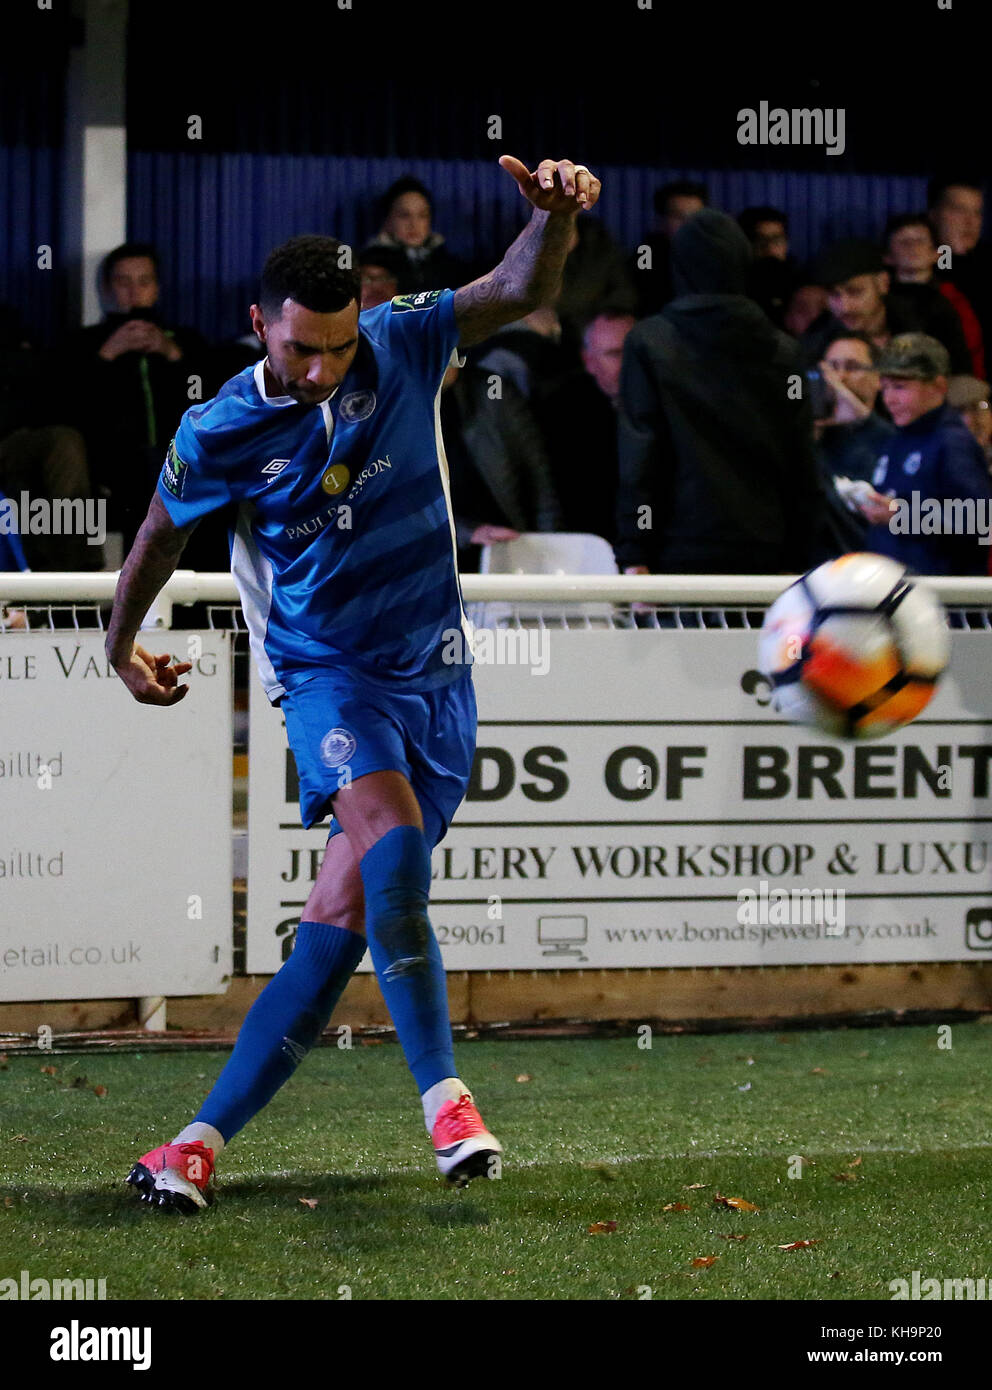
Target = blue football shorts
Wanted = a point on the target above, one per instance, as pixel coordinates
(340, 728)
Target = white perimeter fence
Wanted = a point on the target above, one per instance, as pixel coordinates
(635, 802)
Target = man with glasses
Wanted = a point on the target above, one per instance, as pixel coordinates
(850, 435)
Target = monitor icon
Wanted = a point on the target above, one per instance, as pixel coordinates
(978, 928)
(563, 935)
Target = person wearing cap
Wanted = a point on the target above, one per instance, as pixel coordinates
(857, 284)
(970, 398)
(932, 461)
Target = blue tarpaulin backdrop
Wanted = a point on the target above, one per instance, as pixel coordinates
(214, 217)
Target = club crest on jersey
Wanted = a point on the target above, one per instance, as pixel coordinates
(337, 746)
(912, 463)
(357, 405)
(336, 479)
(174, 472)
(423, 299)
(275, 467)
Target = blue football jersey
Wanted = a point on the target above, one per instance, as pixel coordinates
(343, 549)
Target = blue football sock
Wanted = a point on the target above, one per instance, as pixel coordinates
(283, 1024)
(396, 873)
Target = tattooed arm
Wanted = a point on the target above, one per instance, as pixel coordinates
(150, 563)
(529, 275)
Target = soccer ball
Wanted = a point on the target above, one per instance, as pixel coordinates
(854, 647)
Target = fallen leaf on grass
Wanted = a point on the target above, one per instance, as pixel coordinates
(525, 1076)
(602, 1228)
(819, 1071)
(855, 1163)
(677, 1206)
(310, 1202)
(8, 1202)
(508, 1271)
(49, 1071)
(704, 1261)
(799, 1245)
(835, 1275)
(735, 1203)
(99, 1090)
(371, 1042)
(732, 1237)
(694, 1186)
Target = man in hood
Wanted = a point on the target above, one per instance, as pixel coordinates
(717, 473)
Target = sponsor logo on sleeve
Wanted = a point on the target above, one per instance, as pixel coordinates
(174, 472)
(423, 299)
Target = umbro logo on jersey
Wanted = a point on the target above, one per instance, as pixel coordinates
(275, 466)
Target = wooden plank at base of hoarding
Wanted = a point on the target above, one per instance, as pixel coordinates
(786, 991)
(527, 996)
(69, 1015)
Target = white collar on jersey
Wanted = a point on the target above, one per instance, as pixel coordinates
(325, 406)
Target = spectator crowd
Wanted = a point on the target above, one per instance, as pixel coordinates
(705, 404)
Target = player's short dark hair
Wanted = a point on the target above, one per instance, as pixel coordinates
(751, 219)
(406, 184)
(127, 251)
(680, 188)
(938, 186)
(843, 336)
(908, 219)
(306, 269)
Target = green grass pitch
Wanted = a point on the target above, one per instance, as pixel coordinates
(599, 1131)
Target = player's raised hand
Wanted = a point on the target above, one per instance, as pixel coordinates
(555, 186)
(151, 680)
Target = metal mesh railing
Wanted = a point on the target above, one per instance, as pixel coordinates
(57, 601)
